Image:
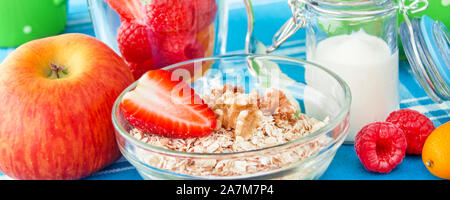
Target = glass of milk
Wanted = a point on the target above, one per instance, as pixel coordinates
(356, 39)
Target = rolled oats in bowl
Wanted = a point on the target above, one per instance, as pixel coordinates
(245, 122)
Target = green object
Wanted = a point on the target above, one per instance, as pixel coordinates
(439, 10)
(25, 20)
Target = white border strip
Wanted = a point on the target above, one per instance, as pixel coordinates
(430, 107)
(414, 99)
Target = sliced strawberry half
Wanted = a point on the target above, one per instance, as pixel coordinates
(129, 10)
(159, 105)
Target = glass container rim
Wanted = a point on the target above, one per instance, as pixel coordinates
(342, 114)
(335, 7)
(350, 2)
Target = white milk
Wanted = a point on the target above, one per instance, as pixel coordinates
(365, 62)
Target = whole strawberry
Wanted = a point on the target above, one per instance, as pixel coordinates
(168, 17)
(416, 127)
(380, 146)
(128, 10)
(134, 41)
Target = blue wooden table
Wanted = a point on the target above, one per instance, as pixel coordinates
(270, 15)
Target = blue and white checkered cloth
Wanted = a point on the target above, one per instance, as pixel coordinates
(345, 165)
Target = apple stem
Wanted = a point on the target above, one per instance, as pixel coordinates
(56, 69)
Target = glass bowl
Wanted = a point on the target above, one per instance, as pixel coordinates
(320, 93)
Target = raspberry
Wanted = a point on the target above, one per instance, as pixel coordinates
(178, 48)
(169, 17)
(380, 146)
(134, 41)
(204, 12)
(138, 69)
(194, 49)
(416, 126)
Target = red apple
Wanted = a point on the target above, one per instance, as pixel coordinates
(56, 98)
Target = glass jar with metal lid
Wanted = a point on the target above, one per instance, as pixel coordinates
(358, 40)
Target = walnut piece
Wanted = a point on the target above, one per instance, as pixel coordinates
(275, 101)
(242, 112)
(234, 109)
(247, 122)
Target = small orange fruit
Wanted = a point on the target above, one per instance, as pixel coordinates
(436, 152)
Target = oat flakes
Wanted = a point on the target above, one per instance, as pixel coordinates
(244, 122)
